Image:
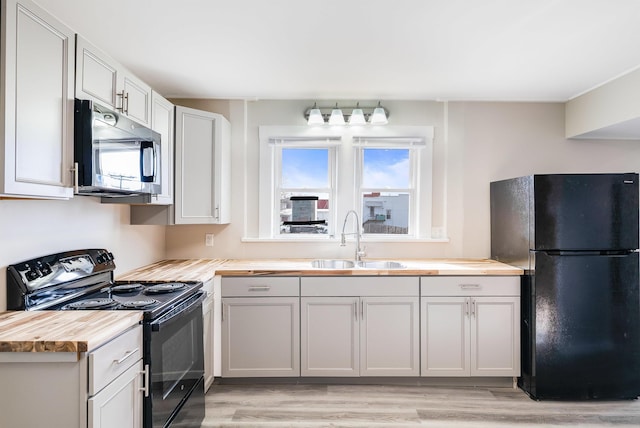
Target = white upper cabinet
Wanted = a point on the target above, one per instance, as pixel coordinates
(36, 103)
(102, 79)
(203, 170)
(162, 121)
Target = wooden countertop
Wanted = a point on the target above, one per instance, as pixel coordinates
(302, 267)
(205, 269)
(62, 331)
(174, 270)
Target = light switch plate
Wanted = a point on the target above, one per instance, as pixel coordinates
(208, 239)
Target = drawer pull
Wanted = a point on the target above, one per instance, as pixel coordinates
(469, 286)
(125, 356)
(259, 288)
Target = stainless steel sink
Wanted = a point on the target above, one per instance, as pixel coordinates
(379, 264)
(350, 264)
(333, 264)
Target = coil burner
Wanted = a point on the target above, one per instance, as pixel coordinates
(101, 303)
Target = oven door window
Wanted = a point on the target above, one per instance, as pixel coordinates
(176, 361)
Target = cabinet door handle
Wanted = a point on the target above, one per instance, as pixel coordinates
(259, 287)
(355, 309)
(466, 307)
(125, 356)
(362, 311)
(145, 380)
(473, 307)
(121, 96)
(217, 217)
(74, 171)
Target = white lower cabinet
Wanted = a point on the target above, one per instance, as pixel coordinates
(103, 388)
(373, 332)
(470, 326)
(330, 336)
(119, 404)
(260, 335)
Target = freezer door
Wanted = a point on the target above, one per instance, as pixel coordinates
(585, 212)
(585, 326)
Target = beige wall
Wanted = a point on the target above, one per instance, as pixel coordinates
(474, 143)
(32, 228)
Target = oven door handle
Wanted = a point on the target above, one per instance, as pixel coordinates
(193, 303)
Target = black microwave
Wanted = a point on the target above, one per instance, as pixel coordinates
(114, 155)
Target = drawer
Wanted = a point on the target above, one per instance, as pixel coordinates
(260, 286)
(470, 286)
(359, 286)
(114, 358)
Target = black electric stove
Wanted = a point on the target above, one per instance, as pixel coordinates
(172, 323)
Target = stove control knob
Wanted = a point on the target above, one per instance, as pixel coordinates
(32, 274)
(110, 256)
(101, 258)
(45, 270)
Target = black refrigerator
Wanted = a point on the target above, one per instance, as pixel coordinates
(576, 237)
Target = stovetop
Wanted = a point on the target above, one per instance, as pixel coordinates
(151, 298)
(83, 279)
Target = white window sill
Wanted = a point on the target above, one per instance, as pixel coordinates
(337, 241)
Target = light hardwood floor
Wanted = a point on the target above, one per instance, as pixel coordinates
(360, 406)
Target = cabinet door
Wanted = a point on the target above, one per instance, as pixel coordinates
(162, 121)
(445, 336)
(37, 104)
(260, 336)
(202, 167)
(330, 336)
(96, 74)
(119, 404)
(136, 103)
(389, 336)
(495, 336)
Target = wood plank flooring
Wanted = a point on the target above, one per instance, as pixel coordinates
(360, 406)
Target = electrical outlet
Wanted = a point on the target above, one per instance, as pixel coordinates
(208, 239)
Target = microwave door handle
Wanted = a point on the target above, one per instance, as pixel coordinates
(148, 162)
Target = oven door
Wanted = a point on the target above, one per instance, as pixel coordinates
(174, 352)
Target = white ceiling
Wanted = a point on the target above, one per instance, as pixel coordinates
(522, 50)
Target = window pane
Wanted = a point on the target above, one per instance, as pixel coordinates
(386, 168)
(305, 168)
(302, 213)
(385, 212)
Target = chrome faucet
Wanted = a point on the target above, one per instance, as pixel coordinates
(343, 241)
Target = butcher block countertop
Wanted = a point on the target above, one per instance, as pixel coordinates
(62, 331)
(205, 269)
(413, 267)
(174, 270)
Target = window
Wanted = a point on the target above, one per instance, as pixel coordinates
(310, 178)
(386, 177)
(304, 189)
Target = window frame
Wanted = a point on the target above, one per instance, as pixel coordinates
(345, 140)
